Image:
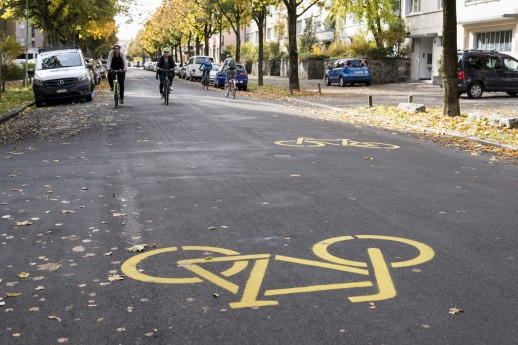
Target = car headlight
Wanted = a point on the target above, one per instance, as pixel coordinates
(37, 82)
(83, 77)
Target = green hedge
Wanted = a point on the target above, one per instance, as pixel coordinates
(13, 71)
(311, 56)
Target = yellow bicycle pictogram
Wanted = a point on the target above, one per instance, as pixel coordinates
(254, 294)
(313, 142)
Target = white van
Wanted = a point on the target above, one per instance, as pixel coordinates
(192, 71)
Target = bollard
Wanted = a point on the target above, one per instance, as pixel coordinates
(319, 89)
(410, 99)
(370, 101)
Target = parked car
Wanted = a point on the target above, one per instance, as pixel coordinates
(102, 69)
(94, 70)
(241, 78)
(182, 70)
(61, 73)
(193, 66)
(213, 72)
(486, 70)
(349, 71)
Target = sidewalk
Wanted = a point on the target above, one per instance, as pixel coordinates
(353, 100)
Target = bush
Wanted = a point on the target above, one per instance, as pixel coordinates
(379, 53)
(312, 56)
(360, 45)
(249, 52)
(337, 49)
(13, 71)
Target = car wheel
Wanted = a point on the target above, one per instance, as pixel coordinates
(342, 82)
(326, 80)
(39, 103)
(368, 84)
(512, 94)
(89, 97)
(245, 88)
(475, 90)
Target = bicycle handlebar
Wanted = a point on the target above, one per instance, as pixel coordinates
(116, 71)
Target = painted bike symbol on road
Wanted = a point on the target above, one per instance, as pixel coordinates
(253, 294)
(312, 142)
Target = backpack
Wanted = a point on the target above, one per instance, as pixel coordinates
(207, 65)
(231, 64)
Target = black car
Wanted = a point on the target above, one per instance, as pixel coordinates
(486, 70)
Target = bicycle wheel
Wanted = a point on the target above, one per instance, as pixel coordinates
(166, 98)
(116, 93)
(227, 89)
(233, 90)
(206, 82)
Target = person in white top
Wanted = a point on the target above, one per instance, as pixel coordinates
(117, 61)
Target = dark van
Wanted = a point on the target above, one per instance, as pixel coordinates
(486, 70)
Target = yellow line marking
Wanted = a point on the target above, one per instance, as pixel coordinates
(315, 288)
(252, 288)
(381, 272)
(129, 267)
(322, 264)
(225, 284)
(225, 259)
(320, 250)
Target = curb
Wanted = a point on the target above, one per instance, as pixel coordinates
(423, 129)
(13, 112)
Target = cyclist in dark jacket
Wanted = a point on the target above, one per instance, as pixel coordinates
(165, 62)
(117, 61)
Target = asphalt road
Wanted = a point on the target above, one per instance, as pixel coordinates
(262, 226)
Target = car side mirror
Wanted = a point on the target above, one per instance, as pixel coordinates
(89, 65)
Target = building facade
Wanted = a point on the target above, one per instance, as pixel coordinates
(482, 24)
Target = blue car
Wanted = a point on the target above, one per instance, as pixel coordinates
(241, 78)
(349, 71)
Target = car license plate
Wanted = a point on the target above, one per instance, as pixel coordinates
(61, 91)
(358, 72)
(240, 82)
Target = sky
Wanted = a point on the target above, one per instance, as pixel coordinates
(140, 13)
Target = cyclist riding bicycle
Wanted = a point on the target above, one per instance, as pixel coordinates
(205, 67)
(229, 65)
(117, 61)
(165, 62)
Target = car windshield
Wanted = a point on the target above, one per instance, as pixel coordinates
(71, 59)
(215, 67)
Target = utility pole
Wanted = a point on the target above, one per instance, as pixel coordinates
(26, 78)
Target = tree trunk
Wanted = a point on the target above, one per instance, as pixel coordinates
(260, 20)
(451, 105)
(293, 73)
(238, 39)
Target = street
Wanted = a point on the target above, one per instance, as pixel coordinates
(238, 221)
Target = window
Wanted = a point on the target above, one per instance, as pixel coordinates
(498, 40)
(510, 64)
(413, 6)
(299, 27)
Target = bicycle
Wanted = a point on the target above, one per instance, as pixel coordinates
(116, 91)
(167, 86)
(230, 88)
(205, 80)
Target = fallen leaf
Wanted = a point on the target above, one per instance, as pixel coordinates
(211, 228)
(108, 254)
(63, 340)
(34, 309)
(13, 294)
(118, 214)
(368, 158)
(121, 329)
(137, 248)
(78, 249)
(25, 223)
(39, 288)
(455, 310)
(48, 267)
(23, 275)
(53, 317)
(67, 211)
(115, 277)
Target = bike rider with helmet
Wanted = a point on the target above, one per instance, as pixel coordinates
(205, 67)
(165, 62)
(117, 61)
(229, 65)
